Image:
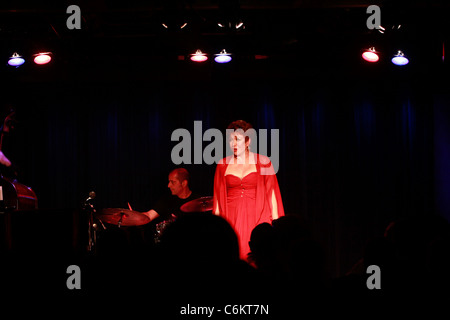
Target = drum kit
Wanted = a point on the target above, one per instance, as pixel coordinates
(129, 218)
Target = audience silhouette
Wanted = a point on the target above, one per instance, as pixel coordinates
(287, 253)
(198, 257)
(200, 252)
(197, 261)
(413, 255)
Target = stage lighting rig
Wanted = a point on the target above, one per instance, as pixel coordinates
(223, 57)
(16, 60)
(199, 56)
(370, 55)
(229, 15)
(400, 59)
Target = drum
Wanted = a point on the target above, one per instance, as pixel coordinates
(16, 196)
(161, 227)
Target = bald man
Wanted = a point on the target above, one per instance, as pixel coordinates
(168, 207)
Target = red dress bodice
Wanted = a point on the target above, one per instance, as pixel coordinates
(241, 203)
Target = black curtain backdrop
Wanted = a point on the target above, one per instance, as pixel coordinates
(356, 151)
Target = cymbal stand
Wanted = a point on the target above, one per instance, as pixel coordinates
(122, 214)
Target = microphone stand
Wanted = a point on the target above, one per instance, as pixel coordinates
(92, 227)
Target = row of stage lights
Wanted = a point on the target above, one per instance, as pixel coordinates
(371, 55)
(17, 60)
(41, 58)
(222, 57)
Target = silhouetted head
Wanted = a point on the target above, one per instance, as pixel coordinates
(200, 239)
(262, 238)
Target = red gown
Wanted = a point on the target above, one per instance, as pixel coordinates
(248, 202)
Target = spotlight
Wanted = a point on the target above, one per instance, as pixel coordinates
(399, 59)
(223, 57)
(231, 24)
(199, 56)
(42, 58)
(16, 60)
(174, 25)
(370, 55)
(381, 29)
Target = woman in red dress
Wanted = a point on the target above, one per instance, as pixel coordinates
(246, 191)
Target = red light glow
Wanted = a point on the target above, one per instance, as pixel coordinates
(370, 56)
(42, 58)
(199, 56)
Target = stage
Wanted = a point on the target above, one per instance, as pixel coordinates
(359, 149)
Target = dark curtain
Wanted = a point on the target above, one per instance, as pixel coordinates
(354, 153)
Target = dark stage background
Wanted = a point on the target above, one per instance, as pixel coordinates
(354, 155)
(360, 145)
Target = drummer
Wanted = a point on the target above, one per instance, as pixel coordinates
(169, 206)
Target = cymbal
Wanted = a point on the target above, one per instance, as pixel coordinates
(122, 217)
(201, 204)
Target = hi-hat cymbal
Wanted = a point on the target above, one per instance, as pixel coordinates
(198, 205)
(122, 217)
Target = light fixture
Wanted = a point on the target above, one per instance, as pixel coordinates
(370, 55)
(223, 57)
(42, 58)
(399, 59)
(174, 23)
(231, 24)
(199, 56)
(16, 60)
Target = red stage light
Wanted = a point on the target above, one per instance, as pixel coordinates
(199, 56)
(42, 58)
(370, 55)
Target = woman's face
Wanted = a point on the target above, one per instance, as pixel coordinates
(238, 144)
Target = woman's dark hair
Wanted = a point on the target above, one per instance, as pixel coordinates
(243, 125)
(240, 124)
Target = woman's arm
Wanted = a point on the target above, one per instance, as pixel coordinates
(218, 188)
(274, 206)
(216, 209)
